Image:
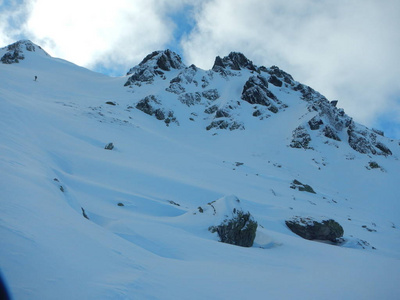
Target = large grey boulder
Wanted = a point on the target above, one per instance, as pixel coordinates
(311, 229)
(240, 230)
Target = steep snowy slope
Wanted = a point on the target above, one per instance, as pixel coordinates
(190, 146)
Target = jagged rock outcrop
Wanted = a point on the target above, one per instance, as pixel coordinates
(365, 141)
(255, 91)
(315, 123)
(278, 75)
(154, 64)
(330, 133)
(190, 98)
(15, 52)
(234, 61)
(211, 94)
(152, 106)
(311, 229)
(301, 138)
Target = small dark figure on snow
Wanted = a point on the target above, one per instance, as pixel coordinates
(35, 78)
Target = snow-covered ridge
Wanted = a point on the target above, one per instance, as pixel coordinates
(193, 86)
(120, 192)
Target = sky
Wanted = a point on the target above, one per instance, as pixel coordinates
(348, 50)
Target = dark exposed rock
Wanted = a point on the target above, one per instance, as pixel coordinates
(152, 106)
(145, 104)
(211, 94)
(142, 75)
(301, 138)
(212, 109)
(12, 57)
(278, 73)
(385, 150)
(176, 88)
(373, 165)
(165, 60)
(310, 229)
(111, 103)
(364, 141)
(297, 185)
(240, 230)
(225, 124)
(186, 76)
(329, 132)
(154, 64)
(159, 114)
(257, 113)
(309, 94)
(359, 141)
(15, 51)
(255, 91)
(275, 81)
(335, 117)
(222, 113)
(234, 61)
(109, 146)
(190, 98)
(334, 103)
(315, 123)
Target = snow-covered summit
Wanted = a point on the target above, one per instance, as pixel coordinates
(15, 52)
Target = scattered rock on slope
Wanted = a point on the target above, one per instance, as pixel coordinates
(152, 106)
(240, 230)
(311, 229)
(297, 185)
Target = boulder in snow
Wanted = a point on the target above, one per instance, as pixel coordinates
(311, 229)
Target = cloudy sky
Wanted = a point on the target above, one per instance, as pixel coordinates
(346, 49)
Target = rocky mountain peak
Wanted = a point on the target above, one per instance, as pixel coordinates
(154, 64)
(234, 61)
(15, 52)
(165, 60)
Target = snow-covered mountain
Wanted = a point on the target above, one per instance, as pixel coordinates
(114, 188)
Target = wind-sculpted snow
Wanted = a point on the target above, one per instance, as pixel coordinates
(109, 191)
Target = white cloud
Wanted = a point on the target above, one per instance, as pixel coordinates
(90, 31)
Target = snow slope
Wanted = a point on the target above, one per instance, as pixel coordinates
(146, 237)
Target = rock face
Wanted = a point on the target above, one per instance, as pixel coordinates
(310, 229)
(301, 138)
(234, 61)
(151, 105)
(255, 91)
(277, 73)
(154, 64)
(15, 52)
(233, 83)
(240, 230)
(365, 141)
